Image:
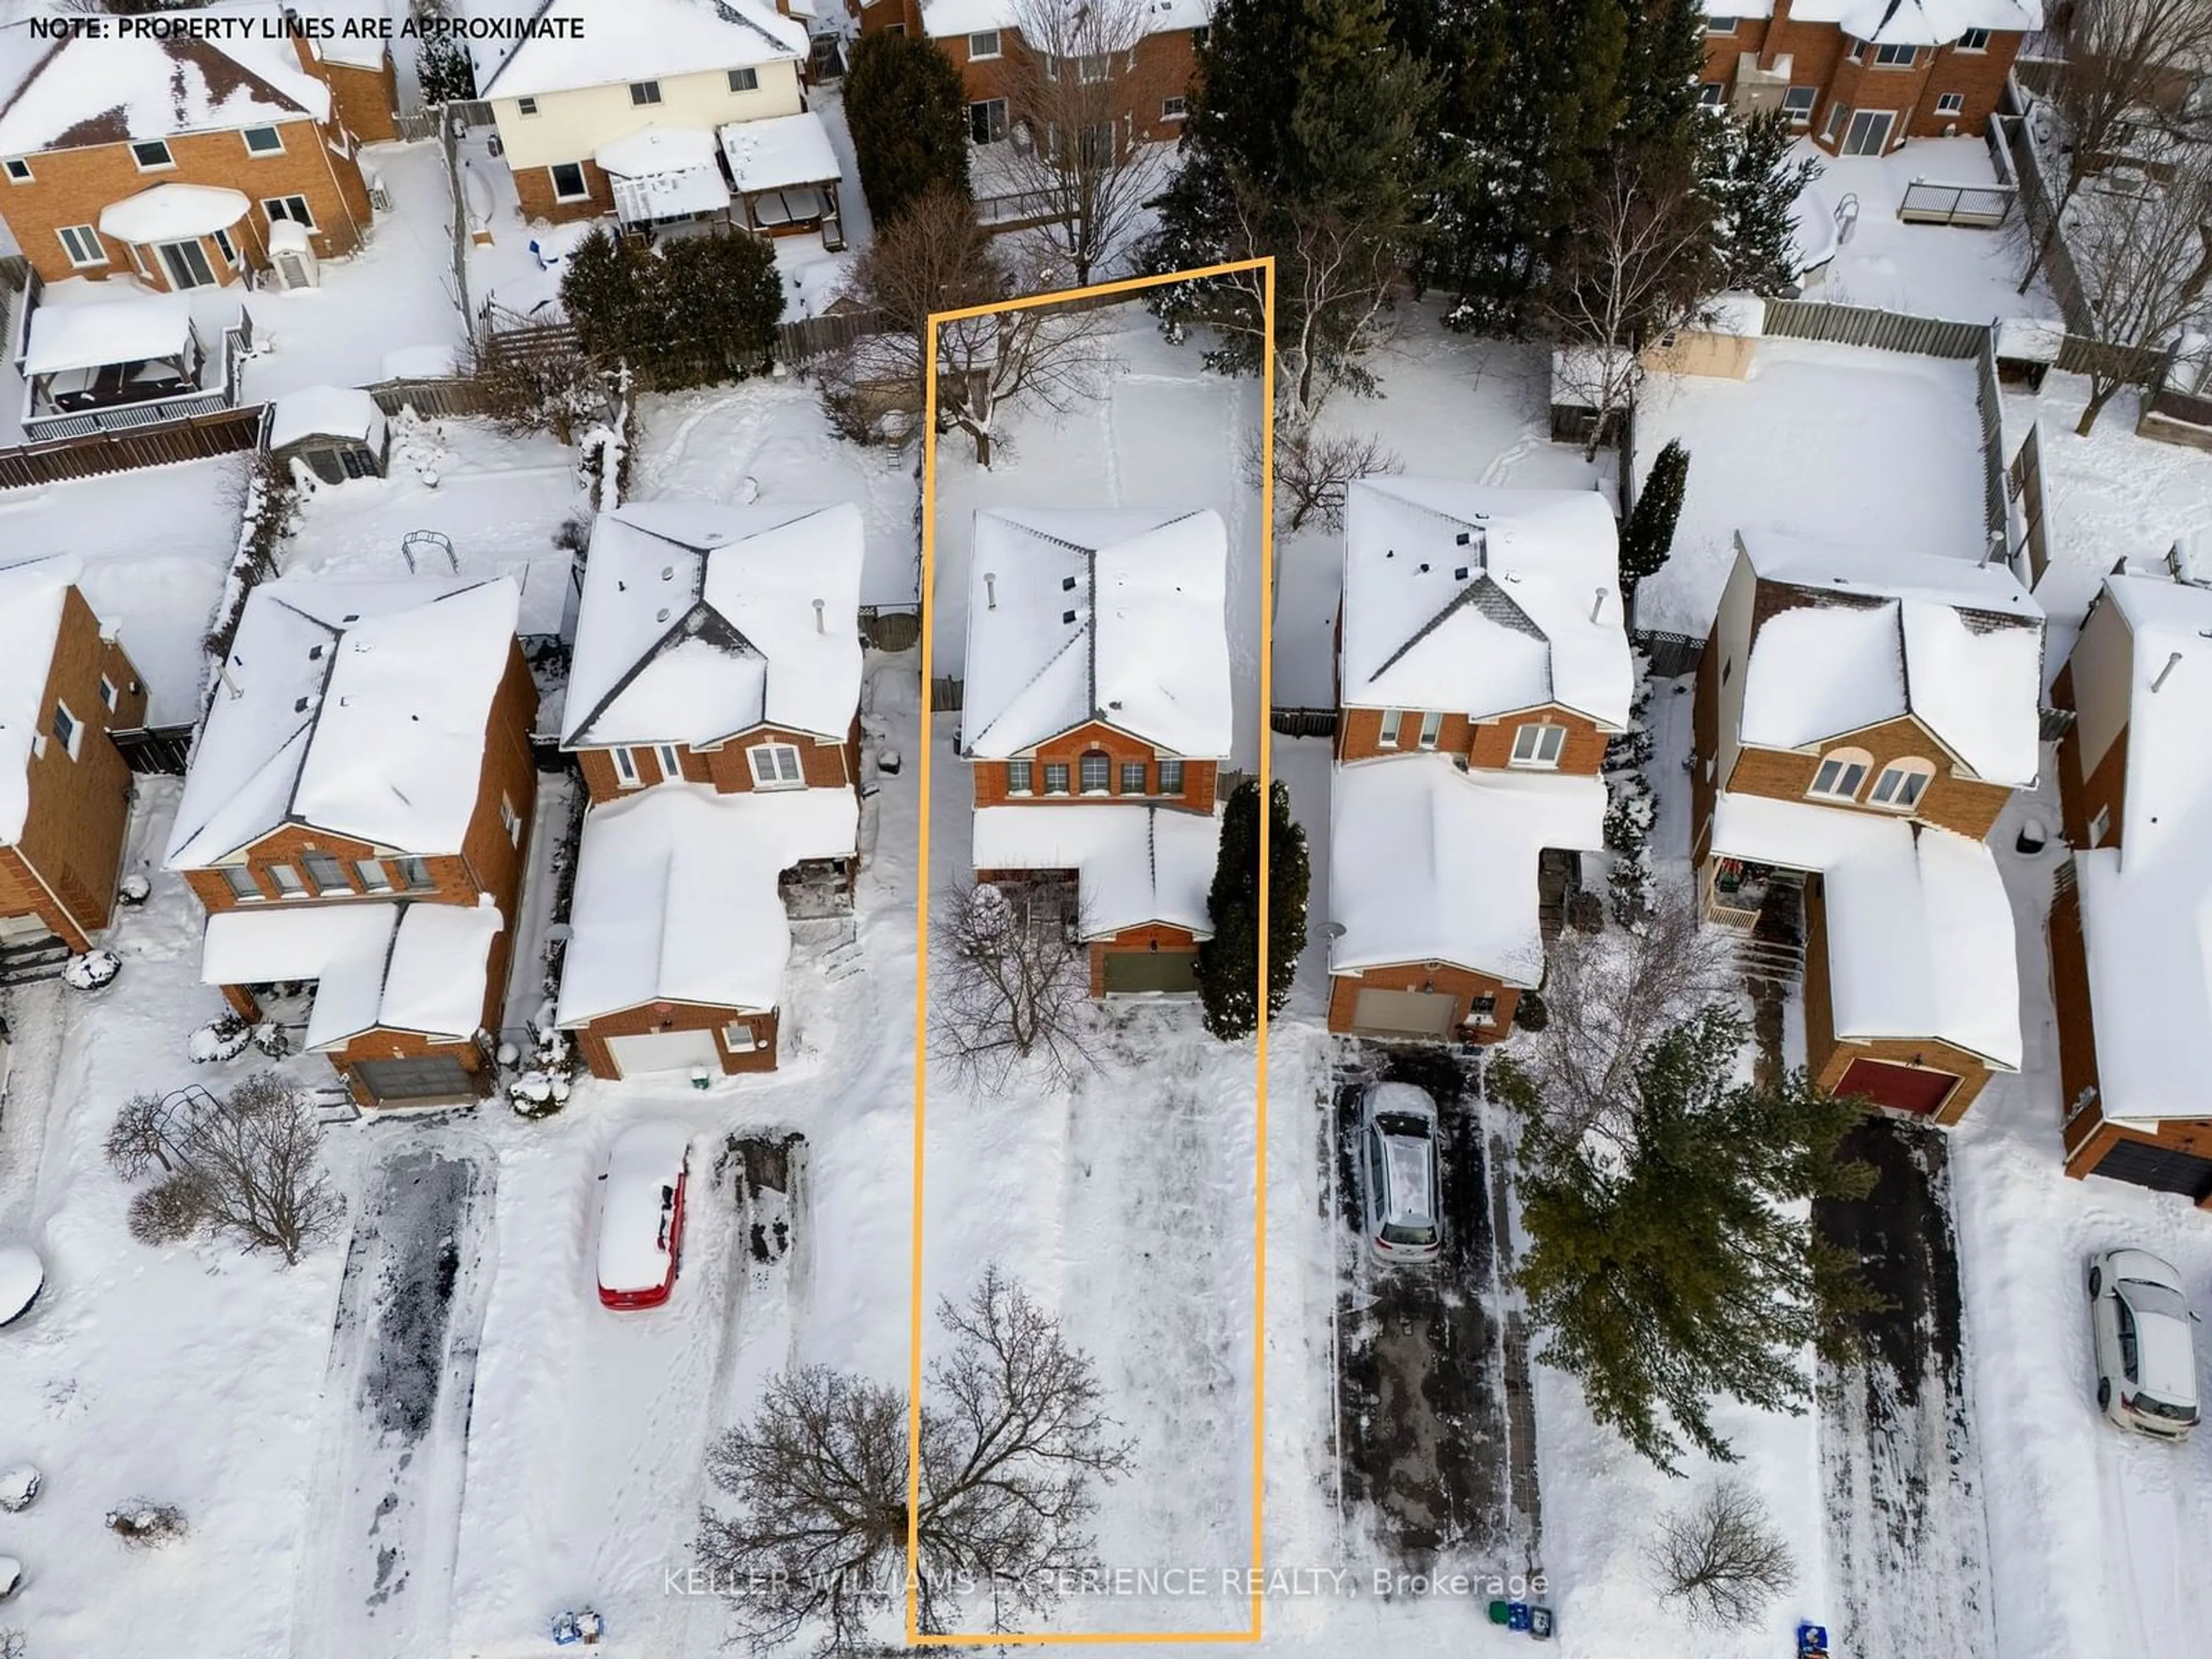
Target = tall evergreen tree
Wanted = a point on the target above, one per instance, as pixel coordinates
(908, 110)
(1754, 186)
(1671, 1261)
(1229, 962)
(1648, 536)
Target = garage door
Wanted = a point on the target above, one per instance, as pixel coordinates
(1138, 972)
(1415, 1014)
(2158, 1167)
(664, 1051)
(421, 1081)
(1900, 1088)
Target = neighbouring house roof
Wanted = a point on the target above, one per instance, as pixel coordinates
(358, 707)
(940, 18)
(1897, 22)
(90, 333)
(1920, 932)
(2147, 904)
(783, 150)
(699, 621)
(1135, 865)
(1482, 601)
(419, 967)
(634, 40)
(1117, 615)
(125, 90)
(1428, 863)
(325, 412)
(32, 599)
(169, 213)
(676, 897)
(1860, 637)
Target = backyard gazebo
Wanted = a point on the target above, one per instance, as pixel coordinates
(786, 174)
(109, 354)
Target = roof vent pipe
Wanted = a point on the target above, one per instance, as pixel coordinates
(1597, 604)
(820, 626)
(2171, 662)
(991, 589)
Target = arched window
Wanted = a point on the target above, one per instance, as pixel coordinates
(1097, 772)
(1901, 784)
(1841, 774)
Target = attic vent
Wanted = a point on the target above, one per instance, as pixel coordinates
(361, 646)
(1067, 584)
(314, 653)
(1461, 574)
(668, 573)
(661, 615)
(1067, 616)
(1423, 571)
(299, 704)
(351, 616)
(1461, 539)
(1389, 552)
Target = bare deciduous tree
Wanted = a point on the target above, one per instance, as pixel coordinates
(937, 257)
(554, 388)
(1070, 144)
(1609, 996)
(1014, 1439)
(1315, 469)
(1640, 265)
(2143, 250)
(245, 1166)
(1722, 1558)
(1011, 985)
(2119, 55)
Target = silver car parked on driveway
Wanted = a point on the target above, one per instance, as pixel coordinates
(1400, 1185)
(2144, 1341)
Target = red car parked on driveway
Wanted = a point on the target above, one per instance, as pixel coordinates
(641, 1214)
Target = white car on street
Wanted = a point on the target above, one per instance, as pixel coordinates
(2144, 1341)
(1400, 1186)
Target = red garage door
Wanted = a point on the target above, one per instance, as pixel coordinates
(1900, 1088)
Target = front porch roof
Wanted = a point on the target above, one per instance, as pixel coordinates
(1135, 865)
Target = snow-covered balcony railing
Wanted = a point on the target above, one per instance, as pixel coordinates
(112, 366)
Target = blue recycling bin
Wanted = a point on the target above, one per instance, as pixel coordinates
(1516, 1616)
(1812, 1641)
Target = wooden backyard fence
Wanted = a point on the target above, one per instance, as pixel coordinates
(1868, 325)
(1670, 655)
(194, 439)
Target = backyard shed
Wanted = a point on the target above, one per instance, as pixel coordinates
(338, 432)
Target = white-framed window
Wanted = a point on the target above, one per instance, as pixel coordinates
(262, 141)
(328, 873)
(243, 887)
(1171, 777)
(672, 763)
(294, 208)
(1055, 777)
(414, 875)
(745, 79)
(1895, 57)
(1720, 25)
(1842, 774)
(1094, 66)
(625, 767)
(1839, 116)
(371, 876)
(1538, 744)
(776, 766)
(1020, 777)
(2101, 826)
(987, 120)
(1173, 109)
(226, 248)
(1198, 37)
(1710, 93)
(1797, 104)
(1432, 725)
(83, 245)
(1951, 103)
(1133, 777)
(510, 820)
(1901, 784)
(1482, 1011)
(983, 44)
(1097, 772)
(1393, 719)
(568, 183)
(738, 1038)
(644, 92)
(152, 156)
(525, 106)
(1974, 40)
(290, 884)
(109, 696)
(19, 170)
(68, 730)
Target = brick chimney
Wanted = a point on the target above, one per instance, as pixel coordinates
(1777, 27)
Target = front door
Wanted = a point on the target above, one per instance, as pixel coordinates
(1870, 132)
(186, 263)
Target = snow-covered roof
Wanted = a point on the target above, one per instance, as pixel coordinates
(1117, 615)
(119, 89)
(127, 330)
(783, 150)
(1133, 864)
(416, 966)
(1878, 636)
(358, 707)
(325, 412)
(1740, 314)
(657, 149)
(1483, 601)
(169, 213)
(942, 18)
(2030, 339)
(2147, 905)
(677, 897)
(1428, 863)
(636, 41)
(1920, 932)
(1897, 22)
(32, 597)
(699, 621)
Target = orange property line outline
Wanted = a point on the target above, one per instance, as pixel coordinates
(915, 1637)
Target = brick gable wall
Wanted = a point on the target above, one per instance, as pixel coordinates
(1819, 57)
(825, 764)
(1950, 802)
(1200, 778)
(1486, 744)
(1459, 983)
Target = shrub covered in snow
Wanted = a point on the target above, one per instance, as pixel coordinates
(91, 971)
(543, 1088)
(134, 890)
(224, 1038)
(272, 1039)
(11, 1580)
(19, 1486)
(144, 1524)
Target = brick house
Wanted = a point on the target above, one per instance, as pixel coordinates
(712, 707)
(1859, 77)
(2131, 926)
(1481, 664)
(1157, 42)
(353, 822)
(1861, 718)
(624, 116)
(1095, 717)
(64, 790)
(171, 159)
